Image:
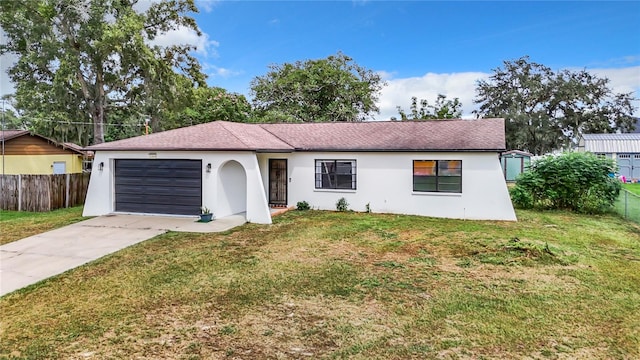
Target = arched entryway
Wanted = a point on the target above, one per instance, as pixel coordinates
(232, 189)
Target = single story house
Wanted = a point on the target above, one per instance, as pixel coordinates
(514, 163)
(623, 148)
(443, 168)
(26, 153)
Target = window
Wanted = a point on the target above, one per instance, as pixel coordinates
(336, 174)
(437, 176)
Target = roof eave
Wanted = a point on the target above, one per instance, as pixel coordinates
(183, 149)
(399, 150)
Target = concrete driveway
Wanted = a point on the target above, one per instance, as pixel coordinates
(27, 261)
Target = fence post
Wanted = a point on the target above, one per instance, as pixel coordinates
(19, 192)
(67, 191)
(626, 204)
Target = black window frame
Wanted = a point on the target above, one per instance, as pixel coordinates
(439, 180)
(332, 176)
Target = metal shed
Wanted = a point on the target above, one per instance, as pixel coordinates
(514, 163)
(623, 148)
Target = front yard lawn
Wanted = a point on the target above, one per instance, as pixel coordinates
(347, 285)
(16, 225)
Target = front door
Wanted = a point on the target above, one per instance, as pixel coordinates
(278, 182)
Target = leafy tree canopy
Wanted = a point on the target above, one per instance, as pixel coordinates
(331, 89)
(87, 61)
(205, 104)
(546, 110)
(443, 108)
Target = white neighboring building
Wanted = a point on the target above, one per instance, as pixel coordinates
(623, 148)
(440, 168)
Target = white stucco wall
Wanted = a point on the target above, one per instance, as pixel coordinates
(385, 182)
(101, 200)
(232, 189)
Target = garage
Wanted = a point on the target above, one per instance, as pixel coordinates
(158, 186)
(623, 148)
(629, 165)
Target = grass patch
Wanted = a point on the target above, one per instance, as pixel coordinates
(347, 285)
(18, 225)
(633, 187)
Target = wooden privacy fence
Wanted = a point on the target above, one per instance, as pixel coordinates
(42, 192)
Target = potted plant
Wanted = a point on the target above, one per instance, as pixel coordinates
(205, 214)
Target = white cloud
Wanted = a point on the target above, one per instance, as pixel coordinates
(206, 5)
(186, 36)
(621, 80)
(398, 92)
(216, 71)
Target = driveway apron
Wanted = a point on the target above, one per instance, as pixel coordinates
(27, 261)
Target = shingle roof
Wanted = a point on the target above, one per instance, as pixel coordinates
(433, 135)
(486, 134)
(10, 134)
(217, 135)
(7, 135)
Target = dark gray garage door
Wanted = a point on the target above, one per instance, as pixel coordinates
(158, 186)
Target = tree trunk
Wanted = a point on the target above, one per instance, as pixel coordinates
(155, 123)
(97, 116)
(97, 113)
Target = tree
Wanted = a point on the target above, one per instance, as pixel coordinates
(575, 181)
(442, 109)
(331, 89)
(547, 110)
(9, 120)
(80, 60)
(205, 104)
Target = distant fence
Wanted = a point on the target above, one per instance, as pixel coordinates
(42, 192)
(628, 205)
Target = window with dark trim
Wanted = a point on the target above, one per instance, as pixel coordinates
(336, 174)
(437, 176)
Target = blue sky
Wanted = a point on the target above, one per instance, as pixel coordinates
(421, 47)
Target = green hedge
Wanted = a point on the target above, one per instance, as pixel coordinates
(576, 181)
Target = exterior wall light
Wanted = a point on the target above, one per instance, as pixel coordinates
(209, 167)
(101, 166)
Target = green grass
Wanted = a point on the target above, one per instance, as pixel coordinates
(628, 203)
(347, 285)
(16, 225)
(633, 187)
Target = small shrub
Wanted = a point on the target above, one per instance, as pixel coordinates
(342, 205)
(303, 205)
(575, 181)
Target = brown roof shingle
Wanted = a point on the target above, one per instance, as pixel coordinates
(433, 135)
(429, 135)
(217, 135)
(10, 134)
